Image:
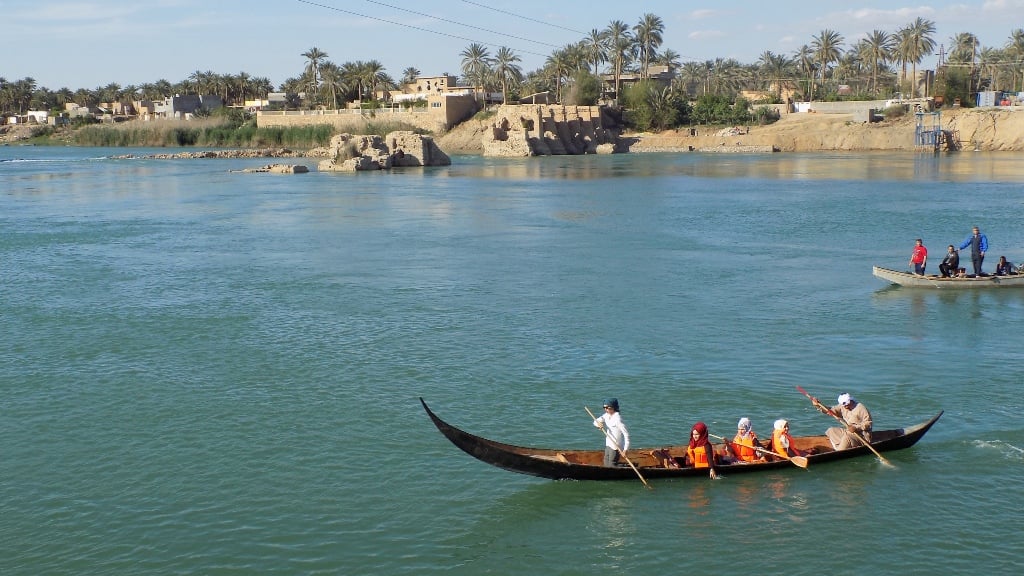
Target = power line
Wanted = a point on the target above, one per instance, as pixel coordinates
(438, 18)
(421, 29)
(524, 17)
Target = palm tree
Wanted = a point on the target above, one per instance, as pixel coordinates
(409, 75)
(373, 76)
(804, 58)
(332, 80)
(1015, 49)
(507, 69)
(668, 58)
(314, 57)
(476, 64)
(989, 60)
(826, 51)
(691, 75)
(648, 35)
(876, 50)
(596, 47)
(261, 86)
(558, 68)
(921, 44)
(775, 67)
(619, 44)
(964, 51)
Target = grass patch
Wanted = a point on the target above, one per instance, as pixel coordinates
(216, 133)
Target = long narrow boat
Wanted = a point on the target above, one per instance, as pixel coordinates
(915, 281)
(587, 464)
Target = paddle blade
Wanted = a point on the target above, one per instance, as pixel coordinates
(799, 461)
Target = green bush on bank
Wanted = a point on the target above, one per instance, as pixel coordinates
(211, 134)
(224, 131)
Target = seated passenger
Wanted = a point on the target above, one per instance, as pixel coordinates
(782, 442)
(1003, 267)
(949, 265)
(700, 453)
(744, 446)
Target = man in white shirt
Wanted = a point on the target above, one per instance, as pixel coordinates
(615, 432)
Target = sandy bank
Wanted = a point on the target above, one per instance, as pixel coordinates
(987, 129)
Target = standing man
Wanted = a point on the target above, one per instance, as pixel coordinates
(919, 257)
(858, 423)
(615, 433)
(979, 245)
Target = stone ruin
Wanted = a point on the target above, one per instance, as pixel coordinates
(348, 153)
(550, 130)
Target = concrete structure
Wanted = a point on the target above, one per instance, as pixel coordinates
(660, 75)
(443, 111)
(184, 106)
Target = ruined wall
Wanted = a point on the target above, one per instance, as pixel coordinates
(549, 130)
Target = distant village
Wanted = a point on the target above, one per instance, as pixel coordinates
(441, 96)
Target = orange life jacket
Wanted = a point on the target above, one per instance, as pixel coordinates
(699, 456)
(743, 448)
(777, 446)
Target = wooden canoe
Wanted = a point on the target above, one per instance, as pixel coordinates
(587, 464)
(915, 281)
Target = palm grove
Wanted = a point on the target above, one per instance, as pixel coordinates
(701, 92)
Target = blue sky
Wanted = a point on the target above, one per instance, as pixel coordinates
(92, 43)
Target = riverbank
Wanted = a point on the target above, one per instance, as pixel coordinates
(983, 129)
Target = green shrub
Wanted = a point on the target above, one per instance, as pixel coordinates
(895, 111)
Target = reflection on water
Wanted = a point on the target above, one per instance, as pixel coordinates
(878, 166)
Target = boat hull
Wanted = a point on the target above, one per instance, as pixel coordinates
(586, 464)
(915, 281)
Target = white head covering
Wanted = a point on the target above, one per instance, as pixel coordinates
(845, 399)
(780, 424)
(743, 424)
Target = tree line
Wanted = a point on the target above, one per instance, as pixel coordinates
(878, 65)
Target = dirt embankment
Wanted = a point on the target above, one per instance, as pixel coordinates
(989, 129)
(986, 129)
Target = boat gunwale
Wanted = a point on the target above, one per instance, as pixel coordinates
(910, 280)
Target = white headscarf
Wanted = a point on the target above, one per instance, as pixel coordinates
(780, 424)
(743, 425)
(845, 399)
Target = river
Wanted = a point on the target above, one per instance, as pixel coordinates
(210, 372)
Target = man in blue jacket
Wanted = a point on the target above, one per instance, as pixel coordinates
(979, 245)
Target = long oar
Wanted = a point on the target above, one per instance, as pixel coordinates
(800, 461)
(827, 410)
(619, 448)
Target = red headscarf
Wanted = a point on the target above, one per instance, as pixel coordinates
(702, 435)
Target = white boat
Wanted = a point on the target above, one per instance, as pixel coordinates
(915, 281)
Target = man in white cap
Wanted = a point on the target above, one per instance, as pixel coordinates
(858, 423)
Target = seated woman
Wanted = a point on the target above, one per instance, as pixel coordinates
(782, 442)
(1003, 267)
(744, 446)
(700, 453)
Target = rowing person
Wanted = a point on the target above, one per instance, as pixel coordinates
(858, 423)
(616, 434)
